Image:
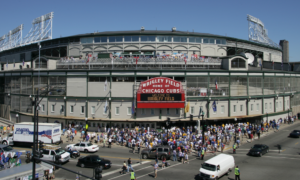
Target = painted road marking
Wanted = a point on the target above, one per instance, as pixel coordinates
(296, 142)
(249, 150)
(118, 170)
(164, 168)
(274, 156)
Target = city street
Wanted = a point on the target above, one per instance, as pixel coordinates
(273, 165)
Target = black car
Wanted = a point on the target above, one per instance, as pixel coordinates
(295, 133)
(93, 161)
(258, 150)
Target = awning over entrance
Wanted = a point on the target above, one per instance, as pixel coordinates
(160, 92)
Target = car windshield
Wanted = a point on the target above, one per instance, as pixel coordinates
(7, 148)
(89, 144)
(209, 167)
(59, 151)
(257, 147)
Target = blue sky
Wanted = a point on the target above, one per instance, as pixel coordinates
(220, 17)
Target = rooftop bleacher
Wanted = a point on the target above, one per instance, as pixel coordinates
(141, 63)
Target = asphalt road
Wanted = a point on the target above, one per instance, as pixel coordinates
(273, 165)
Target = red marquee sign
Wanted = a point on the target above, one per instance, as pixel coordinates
(160, 92)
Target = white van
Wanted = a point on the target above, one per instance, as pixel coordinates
(217, 166)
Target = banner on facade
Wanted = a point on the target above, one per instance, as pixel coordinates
(160, 92)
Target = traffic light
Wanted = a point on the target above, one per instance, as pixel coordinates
(41, 145)
(98, 171)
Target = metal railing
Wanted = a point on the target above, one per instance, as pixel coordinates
(141, 63)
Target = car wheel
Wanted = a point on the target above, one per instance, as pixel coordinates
(82, 165)
(86, 151)
(267, 150)
(145, 156)
(4, 142)
(260, 154)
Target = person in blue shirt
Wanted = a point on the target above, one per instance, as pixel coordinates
(98, 138)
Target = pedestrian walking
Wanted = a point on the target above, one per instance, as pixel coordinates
(187, 158)
(156, 157)
(124, 168)
(129, 162)
(237, 173)
(104, 140)
(138, 147)
(174, 155)
(155, 170)
(163, 162)
(109, 142)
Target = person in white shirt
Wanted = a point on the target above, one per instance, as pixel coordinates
(51, 172)
(109, 142)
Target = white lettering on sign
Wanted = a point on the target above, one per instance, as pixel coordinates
(155, 81)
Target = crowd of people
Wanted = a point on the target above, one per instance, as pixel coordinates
(6, 129)
(216, 137)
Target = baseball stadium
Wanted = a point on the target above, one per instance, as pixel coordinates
(145, 77)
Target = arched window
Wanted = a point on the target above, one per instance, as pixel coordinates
(43, 63)
(238, 63)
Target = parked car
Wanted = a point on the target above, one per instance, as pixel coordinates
(295, 133)
(83, 146)
(93, 161)
(163, 151)
(258, 150)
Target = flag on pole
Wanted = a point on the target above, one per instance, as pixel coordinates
(23, 62)
(214, 106)
(136, 60)
(187, 107)
(200, 112)
(272, 63)
(132, 108)
(6, 64)
(185, 60)
(105, 107)
(281, 64)
(105, 84)
(216, 85)
(112, 60)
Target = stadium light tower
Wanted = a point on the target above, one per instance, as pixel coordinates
(41, 29)
(258, 33)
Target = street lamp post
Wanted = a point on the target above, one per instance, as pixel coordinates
(168, 124)
(235, 126)
(17, 118)
(202, 114)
